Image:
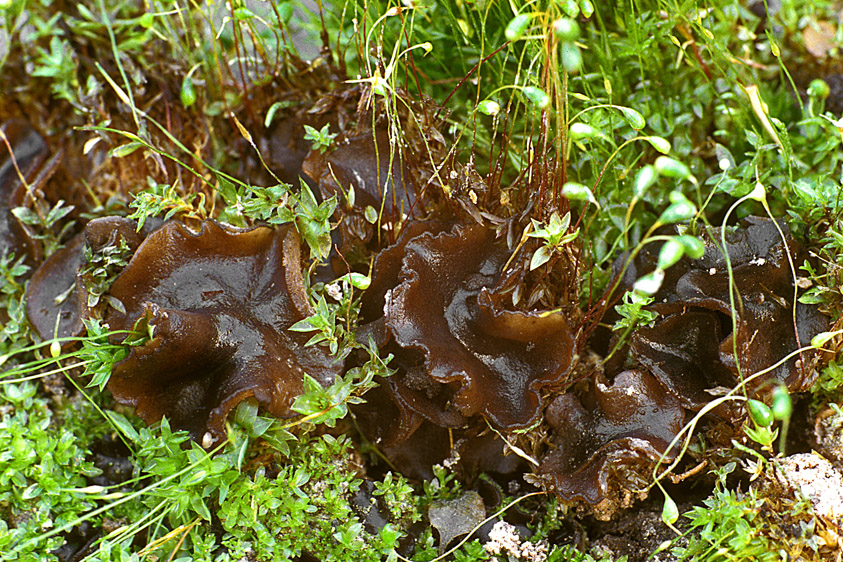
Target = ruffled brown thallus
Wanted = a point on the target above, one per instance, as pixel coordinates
(220, 301)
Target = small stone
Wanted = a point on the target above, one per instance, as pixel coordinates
(817, 480)
(828, 429)
(454, 518)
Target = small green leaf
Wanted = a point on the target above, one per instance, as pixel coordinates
(818, 89)
(357, 280)
(125, 149)
(571, 8)
(579, 131)
(199, 506)
(146, 20)
(579, 192)
(650, 283)
(672, 168)
(782, 404)
(517, 26)
(273, 109)
(242, 14)
(536, 96)
(645, 178)
(566, 29)
(188, 92)
(195, 477)
(540, 257)
(635, 119)
(285, 11)
(371, 214)
(123, 425)
(681, 209)
(26, 215)
(725, 160)
(570, 56)
(246, 413)
(587, 8)
(823, 337)
(760, 413)
(670, 512)
(489, 107)
(670, 253)
(694, 247)
(32, 492)
(304, 325)
(659, 143)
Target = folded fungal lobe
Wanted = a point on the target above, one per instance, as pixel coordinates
(220, 303)
(695, 345)
(496, 361)
(629, 422)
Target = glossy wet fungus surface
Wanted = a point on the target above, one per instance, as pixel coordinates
(54, 305)
(443, 321)
(366, 163)
(615, 430)
(360, 172)
(380, 182)
(220, 302)
(57, 298)
(496, 361)
(458, 353)
(693, 345)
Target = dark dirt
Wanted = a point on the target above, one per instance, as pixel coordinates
(636, 534)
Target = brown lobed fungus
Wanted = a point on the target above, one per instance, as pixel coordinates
(387, 268)
(392, 411)
(693, 347)
(492, 361)
(220, 302)
(28, 152)
(455, 517)
(458, 353)
(613, 432)
(364, 165)
(56, 297)
(365, 162)
(55, 307)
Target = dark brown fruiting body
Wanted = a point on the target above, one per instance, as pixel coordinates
(220, 303)
(628, 422)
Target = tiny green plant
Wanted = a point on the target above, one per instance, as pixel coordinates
(555, 235)
(334, 321)
(725, 524)
(633, 311)
(12, 272)
(43, 474)
(47, 223)
(101, 269)
(322, 139)
(165, 199)
(280, 204)
(58, 64)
